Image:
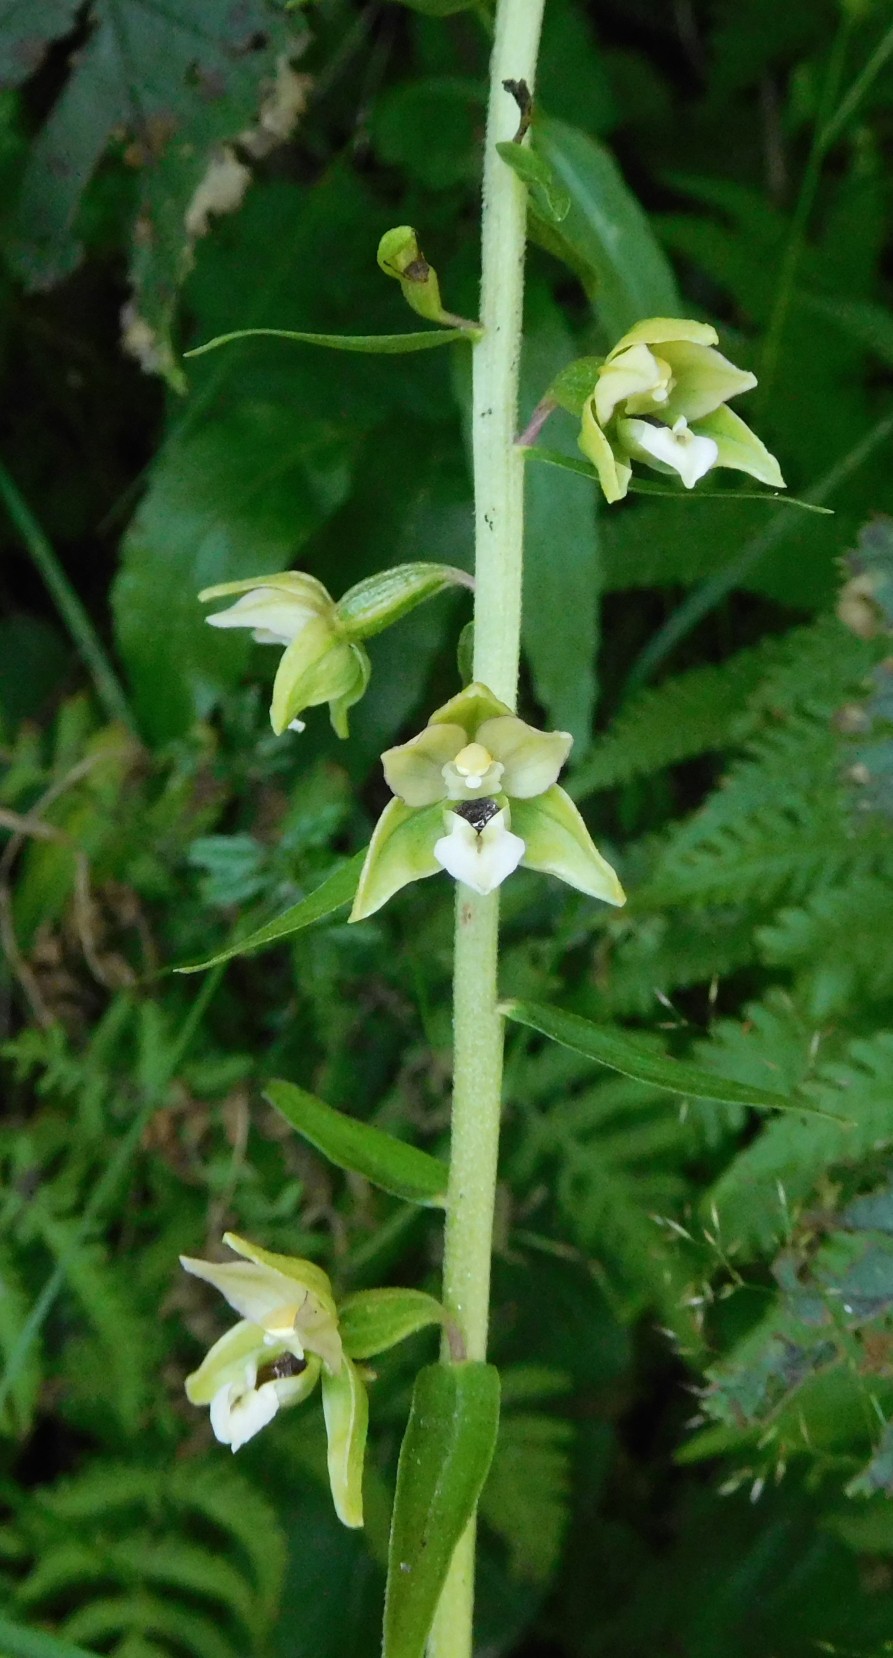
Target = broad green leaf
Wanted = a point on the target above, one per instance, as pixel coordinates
(369, 344)
(549, 197)
(620, 1052)
(390, 1163)
(444, 1460)
(644, 486)
(332, 895)
(17, 1641)
(371, 1321)
(606, 232)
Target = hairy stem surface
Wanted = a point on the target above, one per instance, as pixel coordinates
(499, 531)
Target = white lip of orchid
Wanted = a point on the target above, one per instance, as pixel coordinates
(239, 1409)
(473, 771)
(297, 725)
(274, 618)
(676, 447)
(479, 857)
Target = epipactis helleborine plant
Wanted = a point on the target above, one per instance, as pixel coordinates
(476, 794)
(286, 1341)
(660, 397)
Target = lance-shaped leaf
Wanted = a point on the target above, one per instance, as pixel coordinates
(345, 1406)
(557, 842)
(444, 1460)
(401, 850)
(403, 1170)
(383, 598)
(332, 895)
(388, 345)
(620, 1052)
(371, 1321)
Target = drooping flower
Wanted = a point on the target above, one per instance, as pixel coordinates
(286, 1341)
(476, 794)
(319, 663)
(290, 1337)
(660, 397)
(323, 658)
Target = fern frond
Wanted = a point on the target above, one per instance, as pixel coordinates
(755, 1197)
(533, 1456)
(114, 1617)
(832, 941)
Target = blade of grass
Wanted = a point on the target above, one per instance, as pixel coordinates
(106, 683)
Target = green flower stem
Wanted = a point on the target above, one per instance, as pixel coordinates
(499, 532)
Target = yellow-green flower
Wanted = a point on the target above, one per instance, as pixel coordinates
(660, 397)
(476, 794)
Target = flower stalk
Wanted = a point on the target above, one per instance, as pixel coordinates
(499, 532)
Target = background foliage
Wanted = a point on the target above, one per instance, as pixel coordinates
(693, 1307)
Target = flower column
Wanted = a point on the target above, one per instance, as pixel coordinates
(499, 528)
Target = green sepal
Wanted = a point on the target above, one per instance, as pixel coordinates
(340, 706)
(320, 665)
(396, 1167)
(621, 1052)
(375, 603)
(444, 1461)
(470, 708)
(332, 894)
(574, 385)
(401, 850)
(371, 1321)
(295, 583)
(548, 195)
(611, 469)
(739, 447)
(557, 842)
(665, 331)
(345, 1406)
(306, 1273)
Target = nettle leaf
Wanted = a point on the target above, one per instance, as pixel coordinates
(26, 32)
(621, 1052)
(397, 1167)
(176, 81)
(333, 894)
(444, 1461)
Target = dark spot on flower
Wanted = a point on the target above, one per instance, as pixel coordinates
(477, 812)
(279, 1370)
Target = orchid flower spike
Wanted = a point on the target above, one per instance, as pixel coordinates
(476, 794)
(660, 397)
